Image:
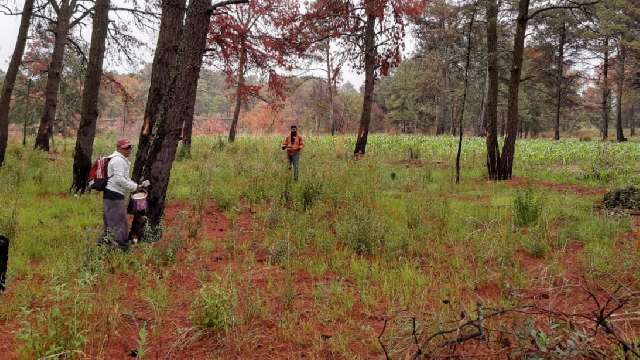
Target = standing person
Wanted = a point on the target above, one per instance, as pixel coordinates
(119, 184)
(293, 143)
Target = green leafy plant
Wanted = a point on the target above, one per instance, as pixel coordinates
(527, 207)
(280, 251)
(214, 307)
(310, 193)
(363, 231)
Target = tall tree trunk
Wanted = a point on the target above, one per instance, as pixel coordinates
(187, 125)
(621, 62)
(509, 146)
(240, 83)
(464, 94)
(28, 118)
(332, 120)
(54, 76)
(164, 60)
(605, 91)
(454, 127)
(90, 93)
(370, 55)
(491, 111)
(559, 74)
(632, 121)
(177, 107)
(12, 74)
(444, 122)
(187, 135)
(444, 110)
(480, 127)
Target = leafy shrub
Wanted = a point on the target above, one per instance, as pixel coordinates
(309, 194)
(626, 198)
(606, 166)
(535, 246)
(53, 333)
(61, 329)
(527, 207)
(214, 307)
(362, 231)
(279, 251)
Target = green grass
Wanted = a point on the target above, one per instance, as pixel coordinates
(352, 240)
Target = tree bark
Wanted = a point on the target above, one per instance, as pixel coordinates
(605, 91)
(12, 74)
(444, 121)
(90, 93)
(236, 111)
(632, 121)
(171, 27)
(481, 123)
(464, 95)
(332, 120)
(509, 146)
(177, 107)
(27, 119)
(621, 63)
(54, 76)
(491, 110)
(444, 109)
(370, 55)
(559, 75)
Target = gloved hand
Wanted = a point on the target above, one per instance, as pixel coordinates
(145, 184)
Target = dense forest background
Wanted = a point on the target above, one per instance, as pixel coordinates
(562, 82)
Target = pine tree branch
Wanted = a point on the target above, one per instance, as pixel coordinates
(573, 5)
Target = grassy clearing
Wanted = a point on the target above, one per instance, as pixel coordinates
(314, 264)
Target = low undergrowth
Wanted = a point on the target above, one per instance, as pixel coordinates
(316, 264)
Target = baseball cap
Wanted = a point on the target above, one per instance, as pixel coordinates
(123, 144)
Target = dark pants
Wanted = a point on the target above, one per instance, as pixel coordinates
(294, 160)
(115, 231)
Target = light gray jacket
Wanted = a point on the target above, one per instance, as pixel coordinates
(118, 173)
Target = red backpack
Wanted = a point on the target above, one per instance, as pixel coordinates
(98, 176)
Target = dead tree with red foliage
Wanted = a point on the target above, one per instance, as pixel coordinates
(259, 35)
(372, 33)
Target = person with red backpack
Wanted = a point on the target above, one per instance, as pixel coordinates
(118, 184)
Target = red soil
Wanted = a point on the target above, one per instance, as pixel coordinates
(178, 338)
(171, 335)
(8, 345)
